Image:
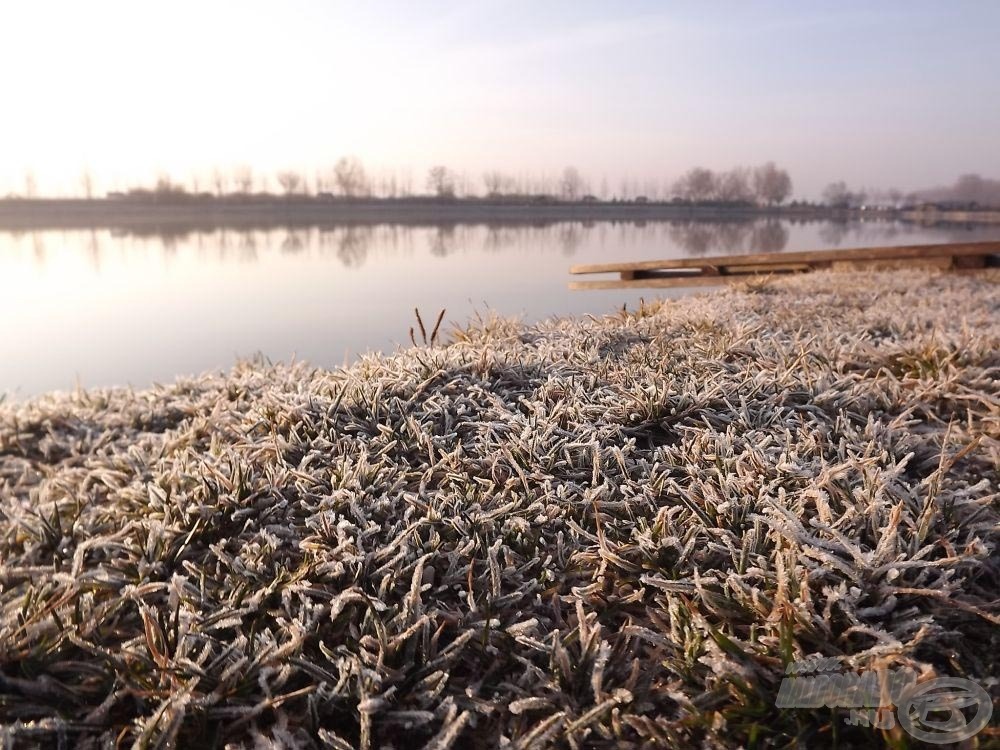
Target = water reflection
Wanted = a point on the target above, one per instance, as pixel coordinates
(117, 307)
(351, 245)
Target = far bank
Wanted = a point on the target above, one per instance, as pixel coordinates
(258, 211)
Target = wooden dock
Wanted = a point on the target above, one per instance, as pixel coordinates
(712, 271)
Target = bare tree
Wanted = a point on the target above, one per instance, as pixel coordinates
(973, 188)
(772, 185)
(406, 183)
(969, 188)
(571, 184)
(218, 182)
(87, 184)
(497, 183)
(166, 187)
(350, 177)
(441, 182)
(837, 195)
(290, 181)
(734, 186)
(243, 178)
(698, 184)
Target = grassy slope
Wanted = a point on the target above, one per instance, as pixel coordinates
(585, 533)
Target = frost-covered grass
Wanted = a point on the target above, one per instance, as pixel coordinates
(588, 533)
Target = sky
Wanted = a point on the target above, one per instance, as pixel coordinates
(888, 94)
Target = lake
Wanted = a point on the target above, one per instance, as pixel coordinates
(102, 307)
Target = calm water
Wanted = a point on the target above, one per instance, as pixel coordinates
(101, 308)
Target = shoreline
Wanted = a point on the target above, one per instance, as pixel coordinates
(267, 211)
(564, 531)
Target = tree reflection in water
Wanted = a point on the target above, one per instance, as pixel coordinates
(353, 244)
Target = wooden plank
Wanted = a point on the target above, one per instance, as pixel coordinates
(766, 268)
(898, 264)
(813, 256)
(734, 270)
(657, 282)
(970, 261)
(679, 273)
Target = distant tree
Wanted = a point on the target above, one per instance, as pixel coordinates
(771, 185)
(973, 188)
(165, 187)
(30, 185)
(441, 182)
(290, 181)
(87, 184)
(624, 192)
(406, 183)
(243, 179)
(734, 186)
(390, 185)
(894, 196)
(492, 181)
(836, 194)
(497, 183)
(969, 188)
(350, 177)
(463, 185)
(571, 184)
(698, 184)
(218, 181)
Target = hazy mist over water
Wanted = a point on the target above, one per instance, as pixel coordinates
(108, 308)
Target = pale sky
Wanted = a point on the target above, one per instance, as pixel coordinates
(878, 94)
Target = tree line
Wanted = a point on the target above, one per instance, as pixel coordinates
(765, 185)
(969, 191)
(348, 178)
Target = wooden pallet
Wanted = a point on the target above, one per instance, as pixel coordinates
(716, 270)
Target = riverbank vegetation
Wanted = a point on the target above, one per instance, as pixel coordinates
(764, 187)
(598, 532)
